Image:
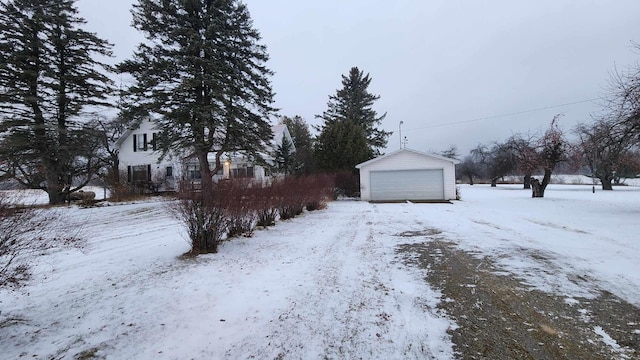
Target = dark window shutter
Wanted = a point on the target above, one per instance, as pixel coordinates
(129, 173)
(154, 141)
(149, 173)
(135, 142)
(144, 137)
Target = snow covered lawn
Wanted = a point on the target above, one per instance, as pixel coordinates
(328, 284)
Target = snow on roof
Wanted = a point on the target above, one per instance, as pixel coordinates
(278, 131)
(359, 166)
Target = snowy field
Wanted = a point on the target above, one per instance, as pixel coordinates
(328, 284)
(40, 197)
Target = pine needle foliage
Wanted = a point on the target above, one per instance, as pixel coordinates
(350, 131)
(202, 75)
(50, 77)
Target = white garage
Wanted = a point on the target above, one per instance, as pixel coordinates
(408, 174)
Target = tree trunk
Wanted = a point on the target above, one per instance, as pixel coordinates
(606, 183)
(56, 184)
(494, 182)
(205, 173)
(527, 181)
(470, 179)
(546, 179)
(537, 190)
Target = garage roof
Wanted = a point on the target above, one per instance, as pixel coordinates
(369, 162)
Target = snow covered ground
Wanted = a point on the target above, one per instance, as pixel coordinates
(328, 284)
(40, 197)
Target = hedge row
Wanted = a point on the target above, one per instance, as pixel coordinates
(235, 208)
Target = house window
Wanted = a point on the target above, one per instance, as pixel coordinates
(245, 172)
(140, 174)
(193, 172)
(169, 171)
(141, 143)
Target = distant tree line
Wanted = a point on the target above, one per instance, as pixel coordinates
(607, 147)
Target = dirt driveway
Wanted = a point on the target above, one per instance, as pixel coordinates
(499, 317)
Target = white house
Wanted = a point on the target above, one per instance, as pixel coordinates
(408, 174)
(140, 160)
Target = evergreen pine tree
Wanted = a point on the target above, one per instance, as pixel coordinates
(48, 75)
(299, 130)
(202, 74)
(349, 134)
(354, 103)
(285, 161)
(341, 146)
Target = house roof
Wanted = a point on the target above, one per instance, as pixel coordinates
(124, 136)
(278, 132)
(128, 132)
(434, 156)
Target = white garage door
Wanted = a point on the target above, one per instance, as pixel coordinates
(407, 185)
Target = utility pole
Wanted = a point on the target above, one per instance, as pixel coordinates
(400, 132)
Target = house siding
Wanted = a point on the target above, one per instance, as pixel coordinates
(408, 160)
(133, 155)
(130, 155)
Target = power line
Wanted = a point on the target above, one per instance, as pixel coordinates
(503, 115)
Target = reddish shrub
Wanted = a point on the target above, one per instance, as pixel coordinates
(318, 191)
(290, 197)
(264, 199)
(241, 210)
(234, 208)
(203, 214)
(347, 184)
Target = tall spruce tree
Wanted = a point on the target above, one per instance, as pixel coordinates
(355, 103)
(285, 160)
(350, 122)
(48, 75)
(202, 74)
(341, 146)
(299, 129)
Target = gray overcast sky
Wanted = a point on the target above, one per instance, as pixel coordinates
(433, 61)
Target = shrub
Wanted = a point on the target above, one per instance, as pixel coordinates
(25, 233)
(241, 210)
(264, 203)
(290, 197)
(119, 189)
(203, 214)
(347, 184)
(232, 208)
(318, 191)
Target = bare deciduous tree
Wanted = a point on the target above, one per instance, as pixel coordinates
(451, 152)
(523, 148)
(552, 149)
(469, 167)
(497, 160)
(605, 146)
(623, 104)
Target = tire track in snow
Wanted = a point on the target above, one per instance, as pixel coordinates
(307, 327)
(539, 267)
(350, 308)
